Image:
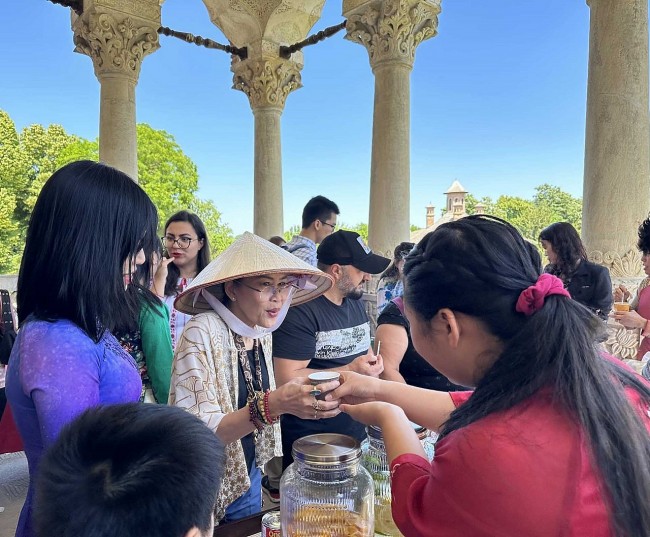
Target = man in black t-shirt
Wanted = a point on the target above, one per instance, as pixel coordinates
(330, 332)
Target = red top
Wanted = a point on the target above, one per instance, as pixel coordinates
(525, 471)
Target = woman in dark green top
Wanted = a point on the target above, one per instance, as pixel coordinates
(150, 344)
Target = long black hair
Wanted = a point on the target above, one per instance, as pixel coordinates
(400, 252)
(555, 347)
(567, 245)
(89, 219)
(139, 291)
(203, 257)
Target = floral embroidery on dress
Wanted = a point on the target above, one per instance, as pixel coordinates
(131, 342)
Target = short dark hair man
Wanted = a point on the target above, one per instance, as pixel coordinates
(130, 470)
(330, 332)
(318, 221)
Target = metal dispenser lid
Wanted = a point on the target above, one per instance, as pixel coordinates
(375, 432)
(326, 448)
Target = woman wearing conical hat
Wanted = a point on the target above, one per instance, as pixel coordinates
(223, 369)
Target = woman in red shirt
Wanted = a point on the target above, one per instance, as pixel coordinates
(554, 438)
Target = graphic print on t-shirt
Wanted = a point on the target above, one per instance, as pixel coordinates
(333, 344)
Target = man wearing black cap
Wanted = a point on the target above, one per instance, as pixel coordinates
(331, 332)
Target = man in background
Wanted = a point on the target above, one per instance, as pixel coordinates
(318, 222)
(331, 332)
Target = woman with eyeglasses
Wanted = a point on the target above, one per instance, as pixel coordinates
(186, 253)
(223, 368)
(91, 226)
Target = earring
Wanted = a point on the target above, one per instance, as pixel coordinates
(232, 299)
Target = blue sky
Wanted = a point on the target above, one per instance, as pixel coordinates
(498, 102)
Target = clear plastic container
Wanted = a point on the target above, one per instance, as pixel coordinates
(375, 461)
(326, 492)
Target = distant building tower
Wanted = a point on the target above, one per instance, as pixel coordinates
(458, 211)
(456, 195)
(431, 215)
(455, 209)
(479, 208)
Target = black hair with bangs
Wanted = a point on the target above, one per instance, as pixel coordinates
(88, 221)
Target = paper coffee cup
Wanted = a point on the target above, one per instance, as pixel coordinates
(323, 376)
(319, 378)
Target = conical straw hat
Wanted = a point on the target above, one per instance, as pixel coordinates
(250, 255)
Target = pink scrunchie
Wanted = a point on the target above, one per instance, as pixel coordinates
(531, 299)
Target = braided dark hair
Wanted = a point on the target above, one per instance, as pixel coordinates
(478, 266)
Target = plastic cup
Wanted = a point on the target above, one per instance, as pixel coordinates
(621, 306)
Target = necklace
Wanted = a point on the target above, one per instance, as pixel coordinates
(245, 363)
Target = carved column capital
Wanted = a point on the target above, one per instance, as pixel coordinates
(624, 268)
(267, 82)
(621, 266)
(391, 30)
(116, 42)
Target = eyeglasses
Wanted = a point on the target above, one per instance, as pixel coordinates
(183, 242)
(333, 226)
(268, 290)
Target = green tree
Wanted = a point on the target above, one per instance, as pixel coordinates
(42, 146)
(168, 176)
(80, 149)
(527, 216)
(220, 234)
(166, 173)
(564, 206)
(361, 229)
(14, 170)
(289, 233)
(27, 159)
(471, 202)
(10, 251)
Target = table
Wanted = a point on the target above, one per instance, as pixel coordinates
(246, 527)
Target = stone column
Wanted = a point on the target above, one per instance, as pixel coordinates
(390, 30)
(267, 83)
(616, 195)
(117, 36)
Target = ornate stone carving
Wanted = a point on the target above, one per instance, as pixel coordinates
(248, 22)
(147, 9)
(391, 30)
(115, 45)
(620, 266)
(624, 269)
(621, 342)
(267, 83)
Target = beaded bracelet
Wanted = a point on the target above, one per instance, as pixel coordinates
(263, 410)
(253, 413)
(267, 410)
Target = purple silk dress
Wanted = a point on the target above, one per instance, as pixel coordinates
(55, 373)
